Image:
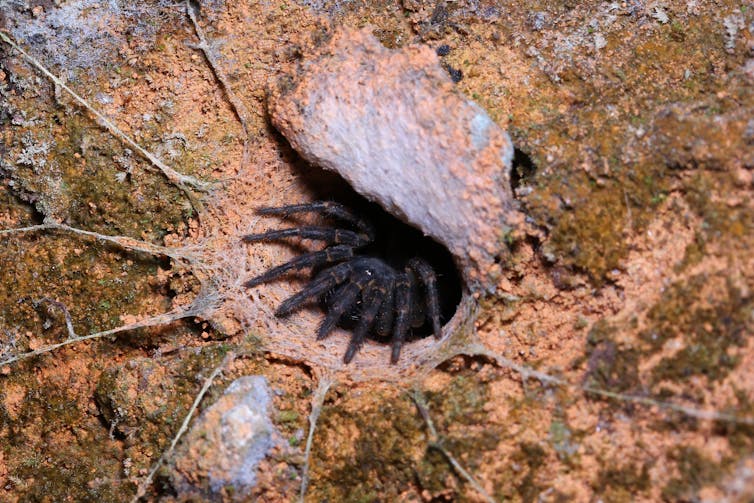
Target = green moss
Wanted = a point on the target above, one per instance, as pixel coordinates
(288, 416)
(390, 455)
(459, 414)
(460, 403)
(531, 456)
(75, 176)
(599, 178)
(529, 475)
(376, 461)
(590, 238)
(719, 219)
(67, 473)
(624, 484)
(76, 171)
(708, 324)
(146, 399)
(70, 173)
(52, 444)
(587, 215)
(693, 254)
(709, 327)
(198, 362)
(563, 440)
(64, 268)
(696, 471)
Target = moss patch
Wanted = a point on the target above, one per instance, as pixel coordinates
(710, 326)
(696, 471)
(54, 444)
(707, 323)
(377, 448)
(367, 448)
(624, 484)
(78, 173)
(145, 400)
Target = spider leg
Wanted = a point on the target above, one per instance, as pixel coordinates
(345, 297)
(373, 298)
(314, 259)
(316, 287)
(402, 308)
(326, 234)
(384, 321)
(326, 208)
(427, 275)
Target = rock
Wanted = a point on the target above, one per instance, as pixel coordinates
(227, 443)
(393, 125)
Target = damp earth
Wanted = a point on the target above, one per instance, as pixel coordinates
(610, 360)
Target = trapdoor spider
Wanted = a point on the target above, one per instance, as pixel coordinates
(362, 291)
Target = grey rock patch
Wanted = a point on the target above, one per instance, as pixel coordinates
(229, 440)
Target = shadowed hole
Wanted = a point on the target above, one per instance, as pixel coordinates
(522, 172)
(395, 243)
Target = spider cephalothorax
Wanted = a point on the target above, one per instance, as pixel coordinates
(374, 296)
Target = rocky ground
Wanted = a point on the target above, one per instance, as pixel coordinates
(617, 345)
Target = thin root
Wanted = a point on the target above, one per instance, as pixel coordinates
(238, 107)
(318, 399)
(528, 372)
(144, 485)
(435, 442)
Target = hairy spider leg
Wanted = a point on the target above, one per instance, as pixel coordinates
(384, 321)
(313, 259)
(402, 309)
(345, 297)
(427, 275)
(328, 235)
(327, 208)
(324, 281)
(373, 299)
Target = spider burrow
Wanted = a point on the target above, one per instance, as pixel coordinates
(366, 292)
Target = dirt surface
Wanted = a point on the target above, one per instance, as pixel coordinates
(612, 363)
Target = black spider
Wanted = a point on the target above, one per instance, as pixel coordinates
(357, 290)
